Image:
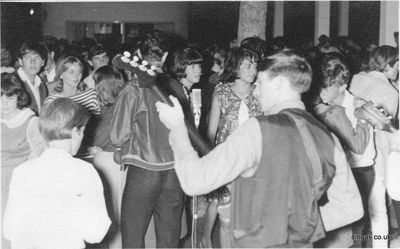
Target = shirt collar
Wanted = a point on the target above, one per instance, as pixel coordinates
(19, 119)
(60, 154)
(25, 78)
(293, 103)
(348, 99)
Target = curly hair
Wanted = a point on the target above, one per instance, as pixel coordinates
(334, 71)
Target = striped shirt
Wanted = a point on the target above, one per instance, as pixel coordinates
(88, 99)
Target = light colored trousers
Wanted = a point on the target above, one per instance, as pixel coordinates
(377, 199)
(115, 179)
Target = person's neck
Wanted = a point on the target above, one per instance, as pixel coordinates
(284, 101)
(50, 66)
(240, 84)
(64, 144)
(188, 84)
(11, 115)
(69, 90)
(241, 88)
(30, 77)
(339, 99)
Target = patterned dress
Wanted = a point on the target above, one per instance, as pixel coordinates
(234, 111)
(230, 105)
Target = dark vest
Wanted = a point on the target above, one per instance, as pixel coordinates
(276, 207)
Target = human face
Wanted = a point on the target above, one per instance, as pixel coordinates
(100, 60)
(330, 94)
(193, 73)
(265, 92)
(247, 70)
(392, 72)
(73, 75)
(31, 63)
(8, 105)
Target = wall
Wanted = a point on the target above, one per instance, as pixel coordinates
(59, 13)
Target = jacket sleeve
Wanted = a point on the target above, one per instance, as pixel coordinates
(344, 205)
(123, 117)
(355, 138)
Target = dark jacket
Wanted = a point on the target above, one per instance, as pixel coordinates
(43, 92)
(137, 132)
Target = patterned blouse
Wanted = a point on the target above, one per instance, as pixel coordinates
(229, 104)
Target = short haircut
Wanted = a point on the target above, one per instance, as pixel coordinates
(62, 65)
(109, 82)
(181, 59)
(153, 45)
(11, 85)
(96, 50)
(59, 117)
(290, 65)
(334, 71)
(233, 62)
(382, 56)
(33, 47)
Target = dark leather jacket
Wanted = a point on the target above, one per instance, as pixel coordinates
(136, 131)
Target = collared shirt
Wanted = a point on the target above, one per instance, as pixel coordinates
(34, 86)
(55, 201)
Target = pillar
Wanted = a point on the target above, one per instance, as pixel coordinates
(322, 15)
(252, 19)
(389, 22)
(343, 27)
(278, 18)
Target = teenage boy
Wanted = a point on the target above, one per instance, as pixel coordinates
(97, 58)
(274, 162)
(32, 57)
(152, 187)
(56, 200)
(337, 112)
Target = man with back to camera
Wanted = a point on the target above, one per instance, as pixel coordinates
(275, 188)
(152, 187)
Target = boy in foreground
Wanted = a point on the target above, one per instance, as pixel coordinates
(56, 200)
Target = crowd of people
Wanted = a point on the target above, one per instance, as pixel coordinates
(98, 151)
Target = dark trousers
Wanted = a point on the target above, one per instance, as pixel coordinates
(364, 177)
(150, 193)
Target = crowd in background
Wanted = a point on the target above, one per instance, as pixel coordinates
(41, 72)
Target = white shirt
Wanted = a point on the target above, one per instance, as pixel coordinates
(34, 87)
(55, 201)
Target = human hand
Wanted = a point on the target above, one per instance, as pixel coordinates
(171, 116)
